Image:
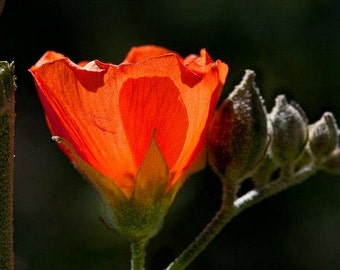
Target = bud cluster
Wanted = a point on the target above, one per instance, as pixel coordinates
(245, 141)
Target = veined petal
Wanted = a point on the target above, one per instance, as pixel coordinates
(149, 104)
(109, 113)
(81, 105)
(198, 92)
(200, 102)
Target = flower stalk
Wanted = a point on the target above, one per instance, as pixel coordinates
(227, 212)
(138, 254)
(7, 89)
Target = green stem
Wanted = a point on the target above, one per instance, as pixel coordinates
(210, 231)
(138, 254)
(7, 88)
(257, 195)
(226, 213)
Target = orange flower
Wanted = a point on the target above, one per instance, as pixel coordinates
(139, 125)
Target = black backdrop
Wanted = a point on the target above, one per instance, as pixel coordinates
(294, 47)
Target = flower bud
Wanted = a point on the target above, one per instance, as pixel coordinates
(289, 131)
(238, 134)
(323, 137)
(332, 162)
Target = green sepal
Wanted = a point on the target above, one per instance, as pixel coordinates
(140, 216)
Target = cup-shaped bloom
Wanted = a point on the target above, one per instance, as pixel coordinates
(136, 129)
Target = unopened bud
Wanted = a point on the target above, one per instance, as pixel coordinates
(323, 136)
(332, 162)
(238, 134)
(289, 131)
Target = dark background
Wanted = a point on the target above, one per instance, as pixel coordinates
(294, 47)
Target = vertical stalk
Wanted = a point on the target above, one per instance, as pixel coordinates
(138, 254)
(7, 88)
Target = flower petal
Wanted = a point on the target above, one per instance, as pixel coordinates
(85, 113)
(149, 104)
(109, 113)
(140, 53)
(49, 56)
(199, 90)
(200, 102)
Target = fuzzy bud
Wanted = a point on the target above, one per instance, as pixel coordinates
(238, 134)
(289, 131)
(323, 137)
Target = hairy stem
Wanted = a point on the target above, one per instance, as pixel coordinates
(138, 254)
(7, 88)
(227, 212)
(210, 231)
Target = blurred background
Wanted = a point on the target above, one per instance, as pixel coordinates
(294, 47)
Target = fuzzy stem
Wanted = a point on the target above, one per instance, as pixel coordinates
(138, 255)
(7, 88)
(210, 231)
(226, 213)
